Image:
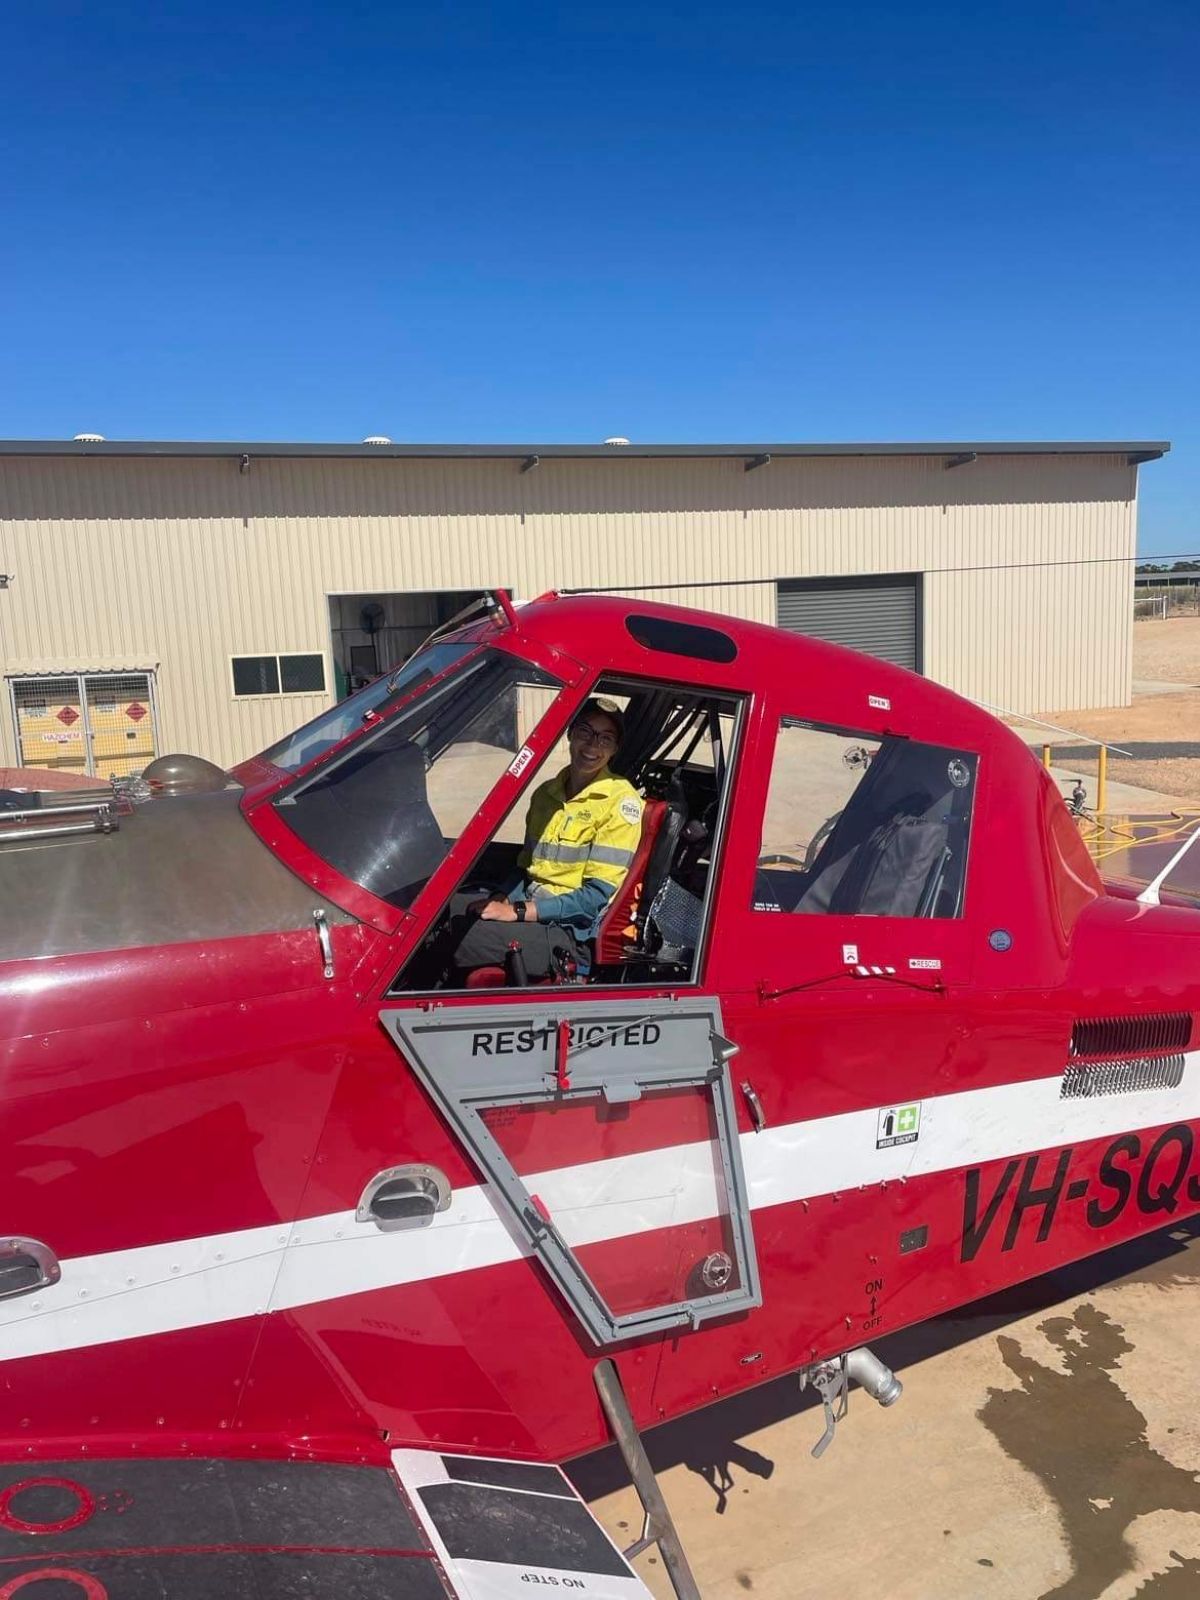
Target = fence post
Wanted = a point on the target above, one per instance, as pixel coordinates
(1102, 779)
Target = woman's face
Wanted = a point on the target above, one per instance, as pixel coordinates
(593, 742)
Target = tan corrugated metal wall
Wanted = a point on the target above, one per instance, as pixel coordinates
(176, 564)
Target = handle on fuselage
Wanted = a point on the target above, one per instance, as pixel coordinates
(26, 1265)
(401, 1196)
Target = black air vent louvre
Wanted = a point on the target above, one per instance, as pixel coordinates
(1117, 1036)
(1087, 1080)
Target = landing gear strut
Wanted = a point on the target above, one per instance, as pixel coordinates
(657, 1526)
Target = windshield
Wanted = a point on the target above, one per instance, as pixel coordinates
(387, 812)
(334, 725)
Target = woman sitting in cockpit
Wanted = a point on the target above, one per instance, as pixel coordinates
(581, 832)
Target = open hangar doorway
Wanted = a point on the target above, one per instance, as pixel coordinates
(372, 633)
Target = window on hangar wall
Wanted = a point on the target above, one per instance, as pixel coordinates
(278, 674)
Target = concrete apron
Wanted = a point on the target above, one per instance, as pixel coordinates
(1046, 1447)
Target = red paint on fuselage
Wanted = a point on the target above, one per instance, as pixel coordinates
(155, 1095)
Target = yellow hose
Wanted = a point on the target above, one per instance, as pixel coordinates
(1108, 834)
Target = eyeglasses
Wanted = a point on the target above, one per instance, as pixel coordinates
(590, 735)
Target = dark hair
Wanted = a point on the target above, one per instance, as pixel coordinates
(604, 708)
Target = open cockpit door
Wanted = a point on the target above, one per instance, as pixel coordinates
(608, 1136)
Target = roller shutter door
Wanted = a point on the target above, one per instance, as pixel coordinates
(880, 617)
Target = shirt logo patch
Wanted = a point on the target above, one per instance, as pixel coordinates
(630, 809)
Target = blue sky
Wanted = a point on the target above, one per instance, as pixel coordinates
(318, 221)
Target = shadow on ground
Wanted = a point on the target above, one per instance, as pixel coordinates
(1161, 749)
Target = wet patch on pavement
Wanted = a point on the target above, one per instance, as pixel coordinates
(1080, 1434)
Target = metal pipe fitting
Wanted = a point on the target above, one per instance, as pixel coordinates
(879, 1381)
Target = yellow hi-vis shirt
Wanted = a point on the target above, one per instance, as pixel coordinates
(590, 838)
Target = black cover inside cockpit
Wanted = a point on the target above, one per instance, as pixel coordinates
(899, 847)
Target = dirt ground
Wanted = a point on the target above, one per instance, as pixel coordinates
(1168, 651)
(1160, 730)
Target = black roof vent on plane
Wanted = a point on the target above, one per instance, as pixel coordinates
(681, 638)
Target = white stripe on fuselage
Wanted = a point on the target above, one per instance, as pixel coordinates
(127, 1294)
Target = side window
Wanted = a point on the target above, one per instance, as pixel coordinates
(276, 674)
(858, 825)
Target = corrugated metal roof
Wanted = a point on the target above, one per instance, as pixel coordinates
(754, 454)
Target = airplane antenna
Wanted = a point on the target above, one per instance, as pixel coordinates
(1149, 895)
(1072, 733)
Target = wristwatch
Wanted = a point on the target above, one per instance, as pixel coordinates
(519, 908)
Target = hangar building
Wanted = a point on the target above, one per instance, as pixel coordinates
(208, 597)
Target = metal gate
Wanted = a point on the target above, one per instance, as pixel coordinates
(99, 725)
(880, 614)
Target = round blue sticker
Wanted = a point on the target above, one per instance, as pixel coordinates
(1000, 939)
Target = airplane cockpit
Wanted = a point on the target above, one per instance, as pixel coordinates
(387, 811)
(854, 823)
(883, 825)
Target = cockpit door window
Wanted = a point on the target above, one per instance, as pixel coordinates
(679, 751)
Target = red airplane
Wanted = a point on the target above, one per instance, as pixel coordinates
(320, 1259)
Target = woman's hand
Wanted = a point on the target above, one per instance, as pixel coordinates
(498, 911)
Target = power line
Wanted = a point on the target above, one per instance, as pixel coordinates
(744, 583)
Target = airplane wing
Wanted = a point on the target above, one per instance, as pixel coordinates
(423, 1526)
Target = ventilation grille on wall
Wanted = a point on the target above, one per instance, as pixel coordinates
(1085, 1082)
(1111, 1036)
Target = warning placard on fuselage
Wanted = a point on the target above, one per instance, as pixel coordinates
(899, 1124)
(509, 1529)
(499, 1049)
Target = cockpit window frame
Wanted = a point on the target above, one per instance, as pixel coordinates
(601, 683)
(402, 698)
(888, 741)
